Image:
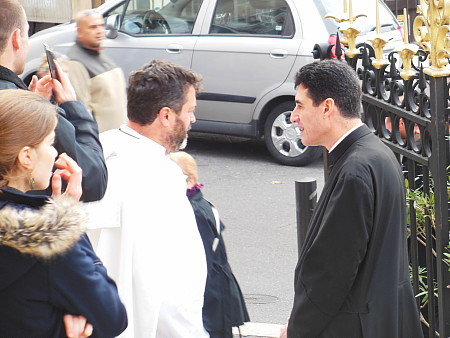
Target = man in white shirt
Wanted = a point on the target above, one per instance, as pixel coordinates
(148, 236)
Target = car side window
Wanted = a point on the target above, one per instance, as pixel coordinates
(252, 17)
(150, 17)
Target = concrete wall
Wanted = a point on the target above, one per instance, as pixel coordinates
(54, 11)
(43, 14)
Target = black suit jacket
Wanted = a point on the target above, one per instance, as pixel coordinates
(352, 276)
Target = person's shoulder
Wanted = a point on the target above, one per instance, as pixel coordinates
(106, 59)
(110, 134)
(115, 137)
(75, 51)
(75, 64)
(5, 84)
(367, 158)
(360, 156)
(373, 151)
(112, 140)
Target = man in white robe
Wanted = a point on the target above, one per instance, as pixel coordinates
(147, 236)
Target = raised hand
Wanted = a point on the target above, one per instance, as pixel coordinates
(43, 86)
(69, 171)
(62, 88)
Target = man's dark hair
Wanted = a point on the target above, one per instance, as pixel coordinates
(11, 18)
(332, 79)
(156, 85)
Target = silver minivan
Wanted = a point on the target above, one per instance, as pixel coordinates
(247, 51)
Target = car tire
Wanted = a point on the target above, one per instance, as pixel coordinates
(283, 138)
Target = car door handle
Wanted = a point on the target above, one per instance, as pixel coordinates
(174, 49)
(278, 53)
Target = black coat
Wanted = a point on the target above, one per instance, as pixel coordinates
(352, 278)
(48, 268)
(77, 135)
(224, 305)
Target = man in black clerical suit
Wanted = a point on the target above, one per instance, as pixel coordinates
(351, 278)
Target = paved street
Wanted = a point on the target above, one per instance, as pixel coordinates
(256, 200)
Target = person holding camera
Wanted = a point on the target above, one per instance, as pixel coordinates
(76, 130)
(52, 283)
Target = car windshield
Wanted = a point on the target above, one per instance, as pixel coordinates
(364, 24)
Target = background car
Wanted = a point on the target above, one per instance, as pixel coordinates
(247, 51)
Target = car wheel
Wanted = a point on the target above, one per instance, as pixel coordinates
(283, 138)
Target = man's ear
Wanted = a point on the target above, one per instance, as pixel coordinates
(164, 116)
(16, 39)
(328, 107)
(80, 33)
(26, 158)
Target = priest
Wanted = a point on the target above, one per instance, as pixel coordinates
(352, 277)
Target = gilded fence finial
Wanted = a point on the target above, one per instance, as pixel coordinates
(378, 43)
(430, 31)
(348, 28)
(407, 52)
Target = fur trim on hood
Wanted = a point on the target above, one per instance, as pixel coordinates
(46, 232)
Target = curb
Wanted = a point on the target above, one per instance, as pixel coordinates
(258, 330)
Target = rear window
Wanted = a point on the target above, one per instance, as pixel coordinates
(252, 17)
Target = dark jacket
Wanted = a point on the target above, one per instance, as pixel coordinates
(48, 268)
(224, 305)
(76, 135)
(352, 278)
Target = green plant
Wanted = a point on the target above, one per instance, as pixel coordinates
(424, 212)
(446, 260)
(423, 285)
(424, 208)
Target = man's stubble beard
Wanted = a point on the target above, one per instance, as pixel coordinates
(177, 140)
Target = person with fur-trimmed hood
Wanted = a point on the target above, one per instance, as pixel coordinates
(51, 282)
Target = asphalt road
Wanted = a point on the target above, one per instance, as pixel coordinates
(255, 197)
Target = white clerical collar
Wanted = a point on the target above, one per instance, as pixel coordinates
(344, 136)
(133, 133)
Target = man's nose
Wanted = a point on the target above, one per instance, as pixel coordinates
(193, 119)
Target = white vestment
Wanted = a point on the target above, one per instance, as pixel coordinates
(148, 239)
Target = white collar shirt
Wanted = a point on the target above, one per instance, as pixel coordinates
(149, 239)
(344, 136)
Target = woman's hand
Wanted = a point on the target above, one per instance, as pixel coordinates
(77, 326)
(69, 171)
